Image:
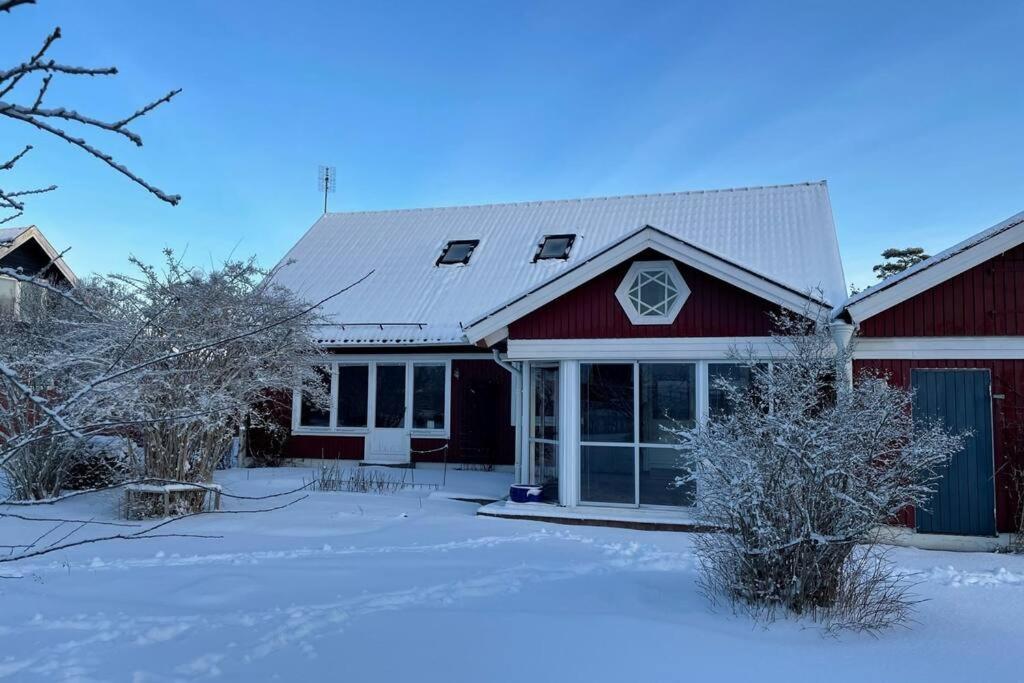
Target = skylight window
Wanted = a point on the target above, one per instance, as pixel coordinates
(554, 247)
(457, 251)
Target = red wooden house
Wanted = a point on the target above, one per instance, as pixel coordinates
(559, 337)
(952, 328)
(556, 337)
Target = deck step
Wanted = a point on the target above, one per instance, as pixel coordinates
(398, 465)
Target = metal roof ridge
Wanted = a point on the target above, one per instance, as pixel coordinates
(540, 202)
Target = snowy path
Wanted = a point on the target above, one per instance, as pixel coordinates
(357, 587)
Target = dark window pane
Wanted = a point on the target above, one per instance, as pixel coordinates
(458, 251)
(312, 415)
(606, 474)
(428, 396)
(555, 246)
(545, 403)
(736, 374)
(659, 469)
(390, 412)
(667, 400)
(606, 402)
(353, 384)
(545, 469)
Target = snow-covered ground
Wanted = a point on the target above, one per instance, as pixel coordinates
(405, 587)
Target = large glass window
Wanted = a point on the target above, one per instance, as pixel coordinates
(312, 415)
(628, 454)
(736, 374)
(667, 400)
(607, 474)
(352, 399)
(428, 396)
(606, 395)
(390, 411)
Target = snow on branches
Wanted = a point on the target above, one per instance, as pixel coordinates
(797, 475)
(27, 105)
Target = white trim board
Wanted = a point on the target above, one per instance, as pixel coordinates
(642, 239)
(939, 348)
(939, 268)
(652, 348)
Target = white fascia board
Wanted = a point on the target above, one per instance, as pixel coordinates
(654, 348)
(647, 238)
(939, 348)
(925, 279)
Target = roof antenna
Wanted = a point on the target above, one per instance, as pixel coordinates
(325, 182)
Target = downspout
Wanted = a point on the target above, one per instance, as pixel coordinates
(842, 335)
(517, 381)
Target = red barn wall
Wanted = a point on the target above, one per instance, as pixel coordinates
(591, 311)
(1007, 418)
(987, 300)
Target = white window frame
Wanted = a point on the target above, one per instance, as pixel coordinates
(16, 291)
(700, 408)
(409, 361)
(672, 272)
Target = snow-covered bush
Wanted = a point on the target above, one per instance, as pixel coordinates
(798, 474)
(249, 341)
(53, 347)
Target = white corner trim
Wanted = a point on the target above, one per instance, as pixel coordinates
(657, 348)
(925, 279)
(622, 292)
(938, 348)
(643, 239)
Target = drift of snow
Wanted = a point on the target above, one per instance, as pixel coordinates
(414, 586)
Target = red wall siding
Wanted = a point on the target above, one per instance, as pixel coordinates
(985, 300)
(324, 446)
(591, 311)
(481, 424)
(1007, 418)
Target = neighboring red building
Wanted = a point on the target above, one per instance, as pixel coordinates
(556, 336)
(952, 328)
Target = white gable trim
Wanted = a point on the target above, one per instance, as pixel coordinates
(639, 241)
(648, 348)
(935, 271)
(939, 348)
(34, 233)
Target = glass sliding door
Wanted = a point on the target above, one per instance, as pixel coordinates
(628, 452)
(544, 434)
(608, 433)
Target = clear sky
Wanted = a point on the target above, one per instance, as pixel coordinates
(913, 112)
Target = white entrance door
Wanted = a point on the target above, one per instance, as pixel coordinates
(388, 441)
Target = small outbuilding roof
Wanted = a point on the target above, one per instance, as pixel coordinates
(783, 233)
(925, 274)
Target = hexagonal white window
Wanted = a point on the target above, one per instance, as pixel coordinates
(652, 293)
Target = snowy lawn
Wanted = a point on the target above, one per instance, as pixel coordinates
(358, 587)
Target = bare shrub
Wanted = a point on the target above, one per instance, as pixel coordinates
(799, 474)
(363, 480)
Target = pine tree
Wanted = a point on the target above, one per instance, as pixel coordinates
(898, 260)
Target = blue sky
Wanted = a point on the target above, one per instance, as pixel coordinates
(913, 112)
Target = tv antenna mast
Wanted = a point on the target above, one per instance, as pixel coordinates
(325, 182)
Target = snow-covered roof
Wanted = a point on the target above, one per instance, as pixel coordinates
(8, 235)
(784, 233)
(929, 272)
